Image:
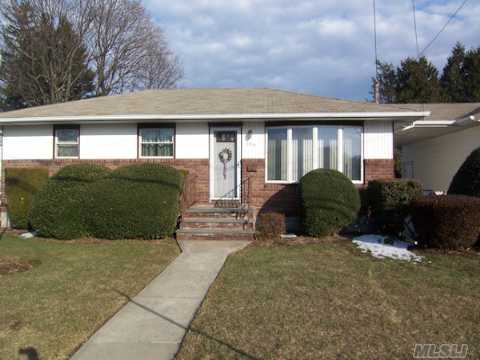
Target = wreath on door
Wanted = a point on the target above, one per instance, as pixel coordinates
(225, 156)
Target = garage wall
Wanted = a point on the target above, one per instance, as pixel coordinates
(435, 161)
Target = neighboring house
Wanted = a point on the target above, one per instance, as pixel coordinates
(241, 144)
(432, 150)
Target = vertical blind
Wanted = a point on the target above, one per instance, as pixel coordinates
(277, 154)
(311, 147)
(302, 150)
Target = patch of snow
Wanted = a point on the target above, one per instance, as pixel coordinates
(382, 248)
(28, 235)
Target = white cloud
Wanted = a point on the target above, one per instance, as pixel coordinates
(323, 47)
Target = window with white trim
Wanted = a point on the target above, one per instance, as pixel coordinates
(293, 151)
(67, 142)
(156, 141)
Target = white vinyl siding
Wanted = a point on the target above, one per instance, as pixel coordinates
(28, 142)
(378, 139)
(108, 141)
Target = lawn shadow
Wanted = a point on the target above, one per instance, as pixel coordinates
(189, 328)
(30, 353)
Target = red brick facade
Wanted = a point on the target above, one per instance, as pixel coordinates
(285, 197)
(198, 167)
(263, 196)
(378, 169)
(258, 193)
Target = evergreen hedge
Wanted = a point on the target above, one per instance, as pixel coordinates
(135, 201)
(330, 202)
(467, 179)
(21, 185)
(389, 202)
(447, 222)
(62, 209)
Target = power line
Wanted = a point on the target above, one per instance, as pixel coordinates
(444, 26)
(415, 27)
(375, 37)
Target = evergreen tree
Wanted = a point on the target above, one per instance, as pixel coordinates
(44, 60)
(417, 82)
(452, 80)
(387, 79)
(471, 75)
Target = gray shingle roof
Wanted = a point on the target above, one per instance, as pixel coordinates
(201, 102)
(444, 111)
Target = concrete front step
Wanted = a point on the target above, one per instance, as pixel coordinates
(215, 234)
(212, 212)
(215, 223)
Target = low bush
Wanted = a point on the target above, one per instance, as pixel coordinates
(446, 222)
(21, 185)
(467, 179)
(62, 208)
(137, 201)
(270, 226)
(389, 202)
(330, 201)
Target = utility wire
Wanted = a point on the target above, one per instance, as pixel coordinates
(375, 37)
(444, 26)
(415, 27)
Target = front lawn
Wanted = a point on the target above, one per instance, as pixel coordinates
(70, 289)
(329, 301)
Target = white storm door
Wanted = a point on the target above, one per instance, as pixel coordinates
(224, 163)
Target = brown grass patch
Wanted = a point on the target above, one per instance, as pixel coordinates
(13, 264)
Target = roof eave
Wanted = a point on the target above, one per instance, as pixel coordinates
(212, 117)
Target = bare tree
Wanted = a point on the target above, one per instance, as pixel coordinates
(124, 48)
(128, 50)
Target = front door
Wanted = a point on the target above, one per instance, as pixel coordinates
(224, 164)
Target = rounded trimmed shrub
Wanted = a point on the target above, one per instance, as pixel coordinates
(389, 202)
(467, 179)
(61, 209)
(270, 226)
(330, 202)
(446, 222)
(136, 201)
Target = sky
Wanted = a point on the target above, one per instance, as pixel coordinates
(322, 47)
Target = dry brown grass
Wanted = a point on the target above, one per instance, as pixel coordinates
(329, 301)
(71, 290)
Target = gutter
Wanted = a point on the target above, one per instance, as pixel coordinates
(219, 117)
(441, 123)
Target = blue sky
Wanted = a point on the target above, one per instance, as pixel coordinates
(323, 47)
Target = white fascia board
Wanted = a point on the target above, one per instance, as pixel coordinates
(203, 117)
(428, 123)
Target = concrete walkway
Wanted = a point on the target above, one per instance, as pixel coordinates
(153, 323)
